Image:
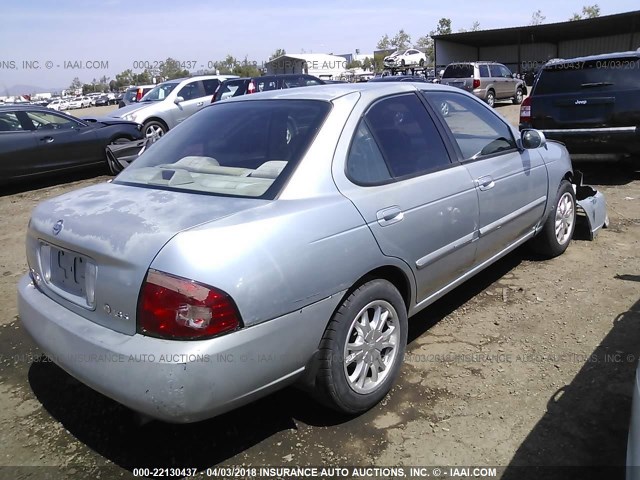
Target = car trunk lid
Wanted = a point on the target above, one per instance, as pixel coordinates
(92, 248)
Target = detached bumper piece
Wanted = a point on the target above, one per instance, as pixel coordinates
(592, 207)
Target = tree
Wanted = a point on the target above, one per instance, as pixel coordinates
(588, 11)
(354, 64)
(124, 79)
(144, 78)
(384, 43)
(537, 18)
(475, 26)
(367, 64)
(425, 44)
(171, 69)
(75, 83)
(401, 40)
(278, 53)
(444, 26)
(113, 85)
(246, 68)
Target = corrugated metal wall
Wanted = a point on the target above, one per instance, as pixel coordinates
(594, 46)
(449, 52)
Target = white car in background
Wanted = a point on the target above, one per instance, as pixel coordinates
(58, 105)
(405, 58)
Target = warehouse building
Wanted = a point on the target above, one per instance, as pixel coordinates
(526, 49)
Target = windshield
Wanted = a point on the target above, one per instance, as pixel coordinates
(160, 92)
(244, 149)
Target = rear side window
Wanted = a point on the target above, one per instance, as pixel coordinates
(594, 75)
(9, 122)
(191, 91)
(231, 88)
(406, 136)
(210, 86)
(265, 84)
(365, 164)
(458, 70)
(484, 71)
(243, 149)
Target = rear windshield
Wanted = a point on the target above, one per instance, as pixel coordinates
(231, 88)
(458, 71)
(244, 149)
(594, 75)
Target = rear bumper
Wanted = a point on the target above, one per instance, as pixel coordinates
(596, 140)
(176, 381)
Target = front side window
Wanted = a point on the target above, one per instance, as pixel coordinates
(477, 130)
(160, 92)
(50, 121)
(406, 136)
(231, 148)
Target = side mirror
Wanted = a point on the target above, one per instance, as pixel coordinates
(531, 139)
(178, 100)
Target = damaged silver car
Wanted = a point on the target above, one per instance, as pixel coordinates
(286, 238)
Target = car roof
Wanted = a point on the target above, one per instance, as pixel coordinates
(261, 77)
(334, 91)
(18, 106)
(589, 58)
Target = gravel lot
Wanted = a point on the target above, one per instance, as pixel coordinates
(530, 363)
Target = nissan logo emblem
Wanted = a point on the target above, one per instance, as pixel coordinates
(57, 228)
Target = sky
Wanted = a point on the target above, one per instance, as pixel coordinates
(47, 44)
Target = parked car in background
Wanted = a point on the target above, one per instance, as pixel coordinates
(236, 87)
(58, 104)
(405, 58)
(488, 81)
(79, 102)
(171, 102)
(399, 78)
(37, 141)
(134, 94)
(102, 101)
(591, 104)
(285, 237)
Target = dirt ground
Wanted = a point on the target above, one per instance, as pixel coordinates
(531, 363)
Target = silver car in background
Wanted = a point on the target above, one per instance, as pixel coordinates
(285, 238)
(171, 102)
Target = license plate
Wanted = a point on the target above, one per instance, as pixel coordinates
(69, 274)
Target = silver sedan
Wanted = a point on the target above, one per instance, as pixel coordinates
(285, 237)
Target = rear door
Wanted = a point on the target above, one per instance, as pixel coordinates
(18, 147)
(511, 186)
(421, 207)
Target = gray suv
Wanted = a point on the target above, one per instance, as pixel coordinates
(488, 81)
(171, 102)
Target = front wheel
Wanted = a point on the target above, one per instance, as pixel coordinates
(557, 231)
(362, 348)
(154, 129)
(517, 100)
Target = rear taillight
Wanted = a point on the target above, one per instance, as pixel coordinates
(139, 95)
(251, 88)
(525, 111)
(176, 308)
(476, 83)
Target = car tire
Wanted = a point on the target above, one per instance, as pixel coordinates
(154, 128)
(557, 231)
(402, 64)
(373, 316)
(421, 62)
(491, 98)
(517, 100)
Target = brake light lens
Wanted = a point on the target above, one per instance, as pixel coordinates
(476, 83)
(525, 111)
(139, 95)
(251, 88)
(176, 308)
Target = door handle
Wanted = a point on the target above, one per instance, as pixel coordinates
(47, 139)
(389, 216)
(485, 183)
(199, 104)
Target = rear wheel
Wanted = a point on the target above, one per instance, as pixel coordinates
(422, 62)
(362, 348)
(491, 98)
(557, 231)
